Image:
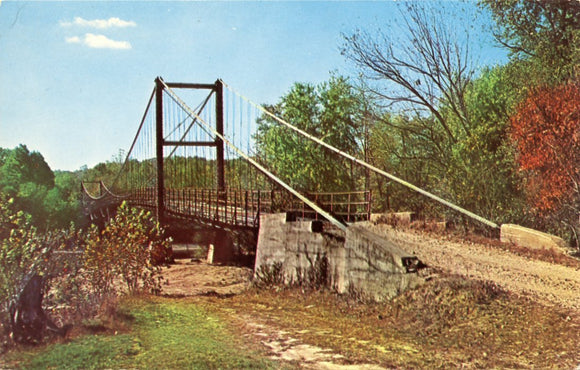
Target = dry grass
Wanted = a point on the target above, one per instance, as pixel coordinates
(449, 322)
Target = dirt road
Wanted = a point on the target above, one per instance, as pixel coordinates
(542, 281)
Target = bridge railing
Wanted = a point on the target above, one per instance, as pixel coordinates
(239, 207)
(349, 206)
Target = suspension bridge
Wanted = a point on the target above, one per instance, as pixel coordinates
(203, 164)
(211, 165)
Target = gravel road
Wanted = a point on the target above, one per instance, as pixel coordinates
(544, 282)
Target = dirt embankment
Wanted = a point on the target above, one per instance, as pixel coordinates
(189, 278)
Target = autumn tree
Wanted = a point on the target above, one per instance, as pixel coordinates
(546, 130)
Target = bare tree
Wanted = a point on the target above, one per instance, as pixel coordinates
(428, 70)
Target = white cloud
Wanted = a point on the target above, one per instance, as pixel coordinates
(99, 42)
(73, 40)
(99, 23)
(103, 42)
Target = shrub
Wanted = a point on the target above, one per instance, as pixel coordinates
(25, 253)
(268, 276)
(20, 251)
(127, 248)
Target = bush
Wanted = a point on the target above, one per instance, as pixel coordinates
(80, 271)
(128, 248)
(20, 251)
(25, 254)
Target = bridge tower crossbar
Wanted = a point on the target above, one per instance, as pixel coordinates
(218, 143)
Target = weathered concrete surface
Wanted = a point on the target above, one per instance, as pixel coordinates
(358, 262)
(530, 238)
(292, 244)
(374, 266)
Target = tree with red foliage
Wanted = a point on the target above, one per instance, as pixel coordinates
(546, 130)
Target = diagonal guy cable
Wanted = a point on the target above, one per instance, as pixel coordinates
(367, 165)
(262, 169)
(199, 109)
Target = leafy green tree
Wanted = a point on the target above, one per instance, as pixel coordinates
(22, 166)
(544, 33)
(3, 154)
(481, 174)
(330, 111)
(401, 146)
(27, 178)
(52, 201)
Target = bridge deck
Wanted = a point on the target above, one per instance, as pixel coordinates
(242, 208)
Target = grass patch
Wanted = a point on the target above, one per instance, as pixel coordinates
(165, 333)
(89, 352)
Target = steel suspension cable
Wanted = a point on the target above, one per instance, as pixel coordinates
(367, 165)
(311, 204)
(135, 139)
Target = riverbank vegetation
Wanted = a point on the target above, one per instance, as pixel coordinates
(81, 274)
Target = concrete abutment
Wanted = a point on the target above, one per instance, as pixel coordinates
(356, 261)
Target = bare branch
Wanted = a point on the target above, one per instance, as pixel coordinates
(429, 70)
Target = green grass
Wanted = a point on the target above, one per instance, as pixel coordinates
(165, 333)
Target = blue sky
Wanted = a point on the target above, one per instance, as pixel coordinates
(75, 76)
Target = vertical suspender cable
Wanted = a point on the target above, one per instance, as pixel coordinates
(311, 204)
(136, 137)
(369, 166)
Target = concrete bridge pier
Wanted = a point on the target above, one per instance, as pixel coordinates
(356, 262)
(230, 246)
